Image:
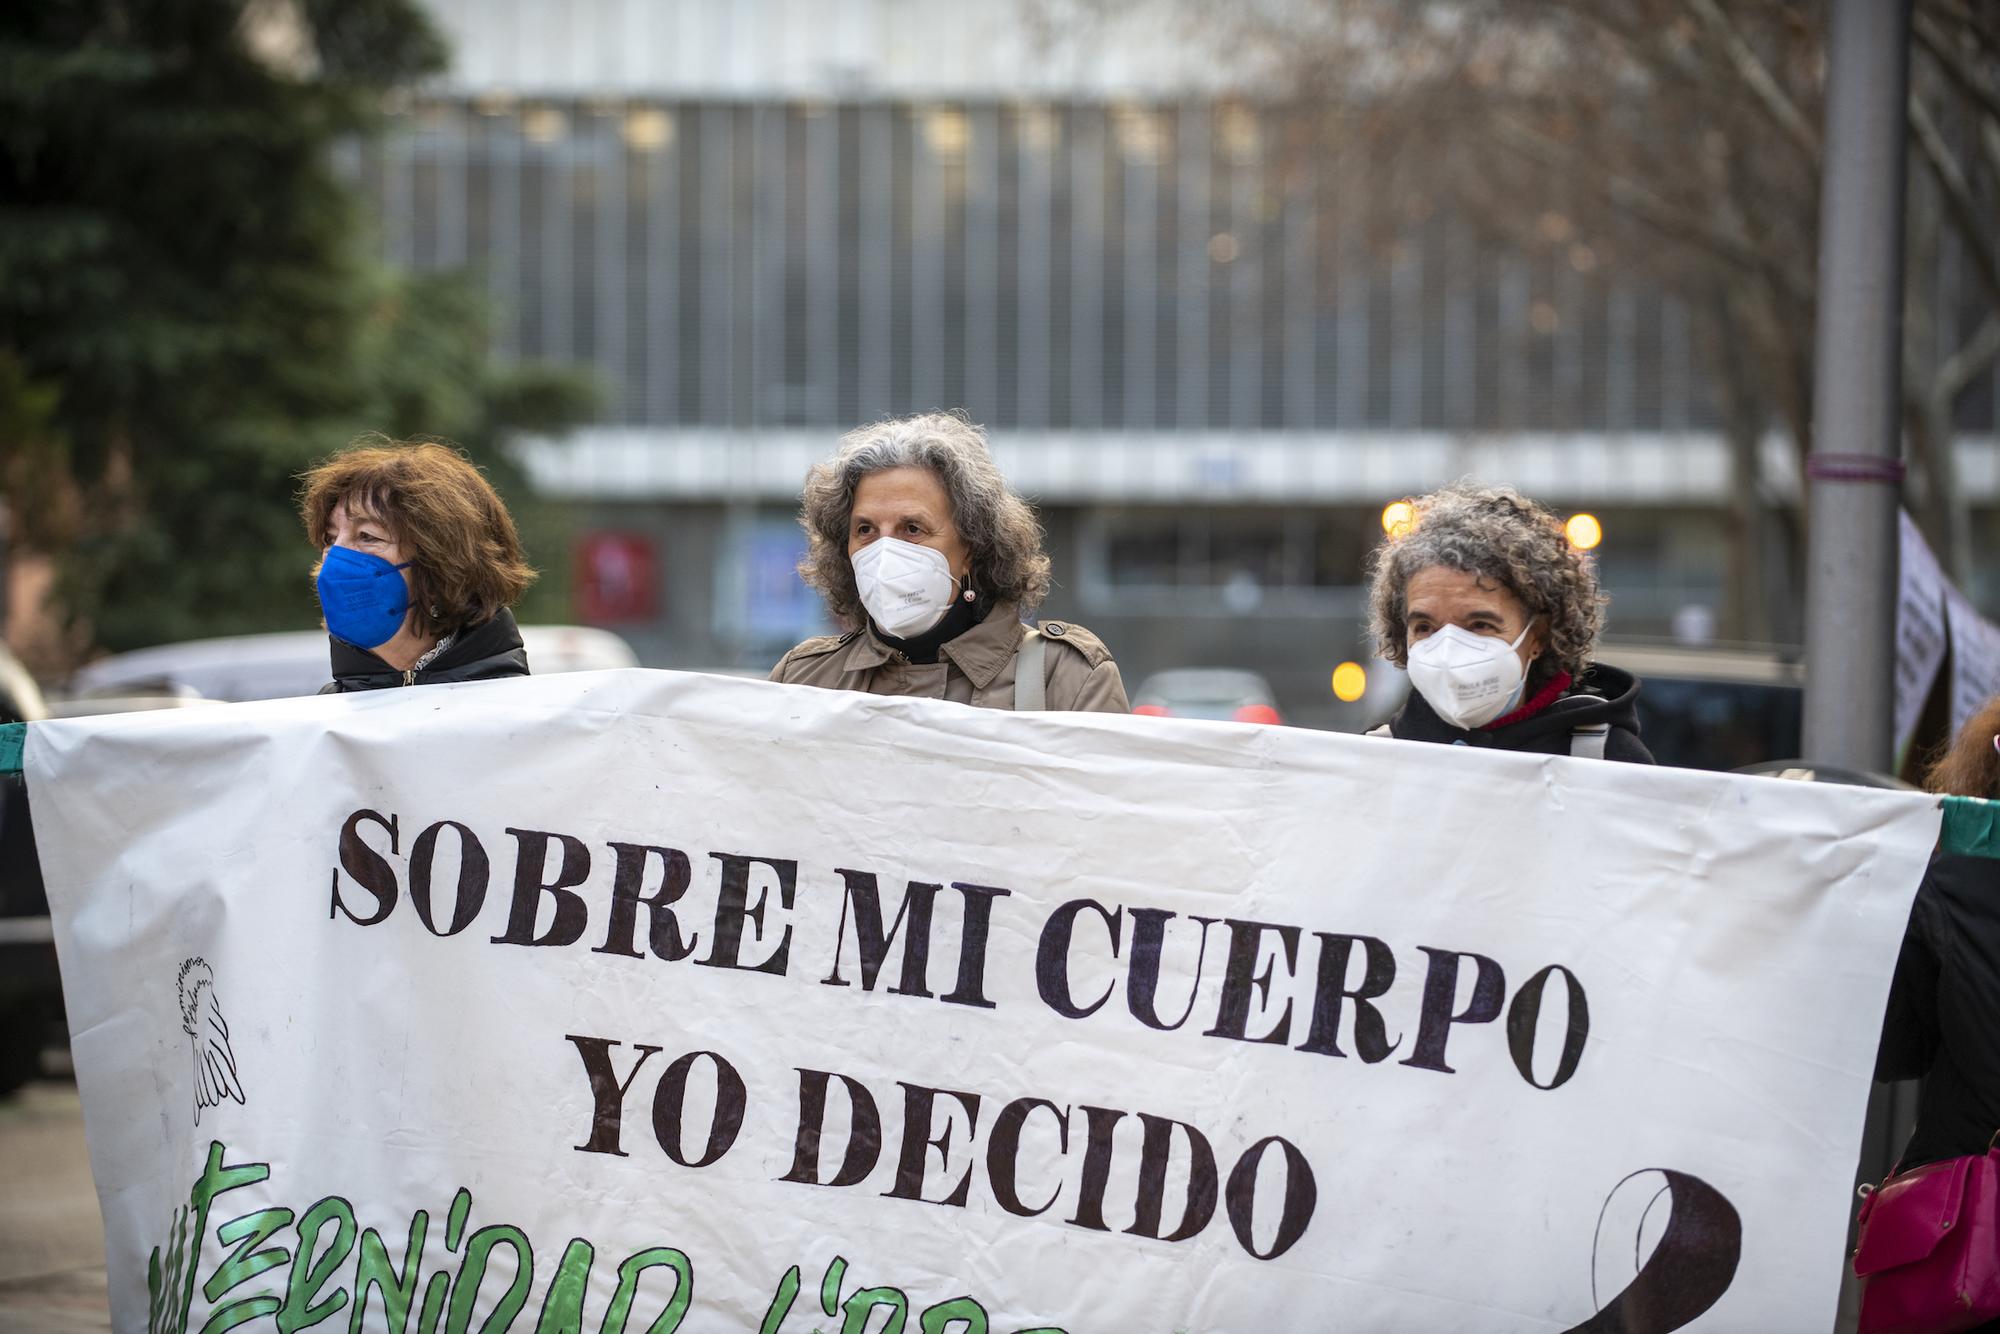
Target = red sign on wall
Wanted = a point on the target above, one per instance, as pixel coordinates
(616, 577)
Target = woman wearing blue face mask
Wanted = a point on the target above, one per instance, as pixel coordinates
(1483, 600)
(419, 563)
(930, 561)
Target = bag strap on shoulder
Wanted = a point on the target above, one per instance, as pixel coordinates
(1588, 742)
(1030, 686)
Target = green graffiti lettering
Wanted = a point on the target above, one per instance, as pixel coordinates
(829, 1287)
(434, 1295)
(959, 1310)
(439, 1286)
(864, 1303)
(163, 1282)
(309, 1275)
(562, 1309)
(215, 1180)
(313, 1291)
(478, 1253)
(657, 1257)
(781, 1302)
(153, 1293)
(170, 1283)
(374, 1271)
(454, 1223)
(240, 1313)
(243, 1264)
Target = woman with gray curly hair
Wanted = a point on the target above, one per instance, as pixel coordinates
(1483, 600)
(929, 561)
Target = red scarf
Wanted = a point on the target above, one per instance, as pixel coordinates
(1547, 695)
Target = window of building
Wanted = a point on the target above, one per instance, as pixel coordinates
(1047, 267)
(1226, 559)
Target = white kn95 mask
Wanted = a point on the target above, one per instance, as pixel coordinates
(1468, 679)
(906, 587)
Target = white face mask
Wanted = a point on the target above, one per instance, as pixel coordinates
(1468, 679)
(905, 587)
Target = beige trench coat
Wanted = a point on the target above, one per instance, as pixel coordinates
(976, 668)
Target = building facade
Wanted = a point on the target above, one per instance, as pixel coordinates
(766, 221)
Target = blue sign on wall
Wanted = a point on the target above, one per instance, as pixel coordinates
(777, 603)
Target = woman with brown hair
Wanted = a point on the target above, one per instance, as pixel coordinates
(1943, 1020)
(419, 563)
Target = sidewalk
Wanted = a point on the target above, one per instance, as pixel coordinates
(51, 1235)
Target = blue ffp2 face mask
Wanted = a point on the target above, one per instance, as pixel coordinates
(363, 597)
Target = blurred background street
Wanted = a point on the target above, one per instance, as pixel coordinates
(1228, 283)
(1224, 282)
(51, 1237)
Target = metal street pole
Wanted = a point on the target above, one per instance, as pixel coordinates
(1856, 460)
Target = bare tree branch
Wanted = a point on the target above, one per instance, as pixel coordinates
(1970, 361)
(1974, 227)
(1962, 74)
(1762, 86)
(1646, 43)
(1646, 206)
(1981, 22)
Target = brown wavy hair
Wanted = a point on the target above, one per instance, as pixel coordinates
(1001, 534)
(467, 562)
(1496, 533)
(1971, 767)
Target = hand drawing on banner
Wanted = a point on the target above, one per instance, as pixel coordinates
(215, 1075)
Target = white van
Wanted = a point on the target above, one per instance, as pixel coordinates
(277, 666)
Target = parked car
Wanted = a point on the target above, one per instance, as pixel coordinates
(278, 666)
(1699, 708)
(1207, 692)
(91, 706)
(1703, 708)
(1809, 771)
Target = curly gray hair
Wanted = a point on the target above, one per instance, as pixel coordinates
(1496, 533)
(999, 529)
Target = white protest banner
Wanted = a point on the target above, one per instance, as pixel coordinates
(1920, 627)
(1975, 658)
(635, 1000)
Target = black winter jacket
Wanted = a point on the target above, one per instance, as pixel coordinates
(1604, 695)
(479, 653)
(1943, 1021)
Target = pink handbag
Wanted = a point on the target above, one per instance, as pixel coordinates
(1929, 1256)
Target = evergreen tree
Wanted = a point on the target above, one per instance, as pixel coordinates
(187, 315)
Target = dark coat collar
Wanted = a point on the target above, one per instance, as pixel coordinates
(1602, 695)
(478, 653)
